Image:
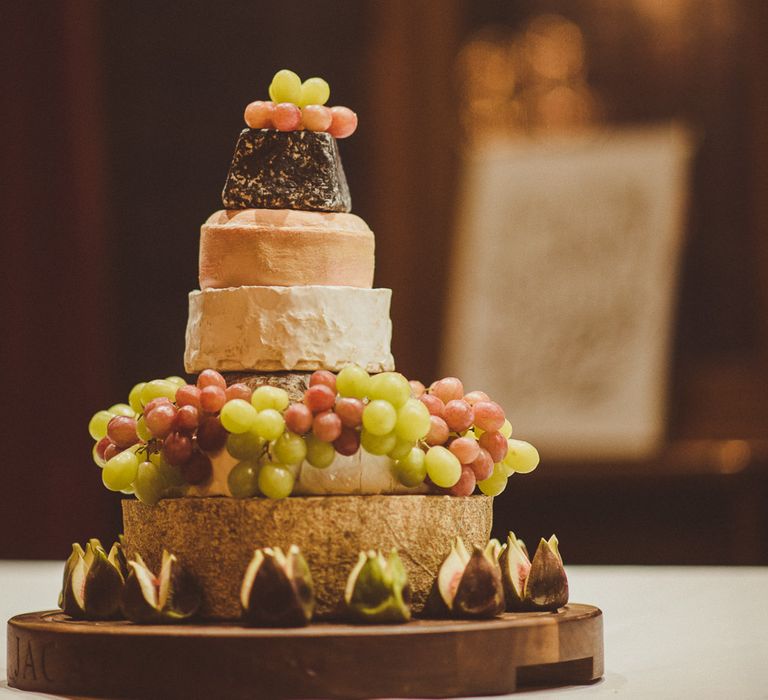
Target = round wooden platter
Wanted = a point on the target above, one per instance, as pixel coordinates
(49, 652)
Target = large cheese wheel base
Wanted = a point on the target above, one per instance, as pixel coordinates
(49, 653)
(216, 537)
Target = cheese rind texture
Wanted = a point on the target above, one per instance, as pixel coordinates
(288, 328)
(283, 247)
(286, 170)
(361, 473)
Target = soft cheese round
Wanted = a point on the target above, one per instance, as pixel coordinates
(360, 473)
(285, 247)
(289, 328)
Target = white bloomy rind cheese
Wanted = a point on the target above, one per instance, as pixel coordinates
(289, 328)
(283, 247)
(358, 474)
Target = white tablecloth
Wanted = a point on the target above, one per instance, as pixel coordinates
(670, 632)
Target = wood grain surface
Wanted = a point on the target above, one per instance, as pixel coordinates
(48, 652)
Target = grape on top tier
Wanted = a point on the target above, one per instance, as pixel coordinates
(440, 438)
(296, 105)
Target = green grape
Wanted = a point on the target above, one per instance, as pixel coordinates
(134, 397)
(97, 426)
(290, 448)
(178, 381)
(401, 448)
(275, 481)
(442, 466)
(149, 485)
(238, 416)
(377, 444)
(270, 397)
(495, 483)
(269, 424)
(128, 490)
(319, 454)
(122, 409)
(411, 470)
(353, 381)
(412, 420)
(120, 471)
(142, 430)
(285, 87)
(172, 476)
(245, 446)
(314, 91)
(243, 480)
(391, 387)
(506, 429)
(508, 471)
(379, 417)
(522, 457)
(157, 388)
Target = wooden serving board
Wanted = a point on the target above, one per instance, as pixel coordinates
(49, 652)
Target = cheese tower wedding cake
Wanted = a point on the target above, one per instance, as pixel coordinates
(297, 430)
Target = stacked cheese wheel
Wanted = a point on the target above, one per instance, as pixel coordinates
(286, 275)
(287, 289)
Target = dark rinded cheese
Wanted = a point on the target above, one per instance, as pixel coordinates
(286, 170)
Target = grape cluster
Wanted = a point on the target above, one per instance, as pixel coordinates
(160, 441)
(295, 105)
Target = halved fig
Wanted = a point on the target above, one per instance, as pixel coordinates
(277, 589)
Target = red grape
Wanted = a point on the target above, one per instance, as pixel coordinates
(434, 405)
(198, 469)
(319, 398)
(258, 114)
(211, 434)
(110, 451)
(160, 419)
(177, 449)
(316, 117)
(438, 431)
(154, 403)
(210, 377)
(489, 415)
(350, 411)
(459, 415)
(348, 442)
(102, 445)
(122, 431)
(465, 449)
(417, 388)
(212, 398)
(238, 391)
(447, 389)
(323, 376)
(343, 122)
(298, 418)
(326, 426)
(474, 396)
(483, 465)
(188, 395)
(466, 483)
(495, 443)
(286, 117)
(187, 419)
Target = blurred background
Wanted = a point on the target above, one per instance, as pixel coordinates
(569, 203)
